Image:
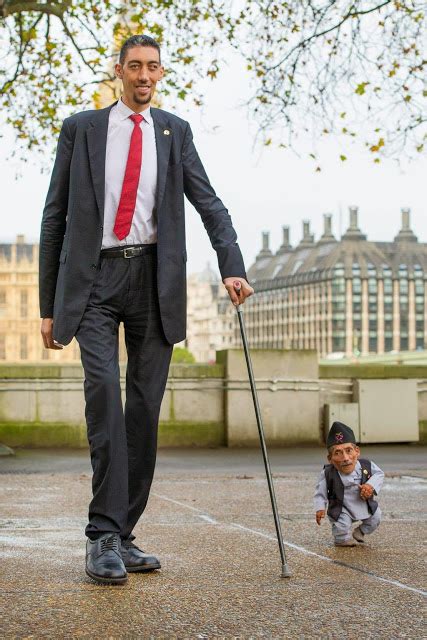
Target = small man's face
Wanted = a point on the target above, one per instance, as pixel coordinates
(344, 457)
(140, 72)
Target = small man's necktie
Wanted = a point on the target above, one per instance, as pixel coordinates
(127, 202)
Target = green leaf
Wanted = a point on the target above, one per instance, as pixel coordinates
(361, 88)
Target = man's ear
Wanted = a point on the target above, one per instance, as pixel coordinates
(118, 71)
(357, 450)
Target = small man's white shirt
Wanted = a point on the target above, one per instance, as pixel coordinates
(144, 224)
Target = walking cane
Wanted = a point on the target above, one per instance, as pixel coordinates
(285, 570)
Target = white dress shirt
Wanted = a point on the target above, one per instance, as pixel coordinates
(144, 226)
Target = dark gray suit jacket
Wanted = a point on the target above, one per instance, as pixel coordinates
(72, 224)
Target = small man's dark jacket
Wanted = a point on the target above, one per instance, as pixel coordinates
(335, 488)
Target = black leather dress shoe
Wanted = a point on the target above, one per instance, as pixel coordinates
(136, 560)
(103, 560)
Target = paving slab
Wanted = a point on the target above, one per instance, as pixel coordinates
(210, 522)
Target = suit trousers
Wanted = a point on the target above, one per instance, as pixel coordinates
(123, 444)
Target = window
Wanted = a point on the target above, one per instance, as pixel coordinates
(372, 285)
(403, 286)
(24, 304)
(357, 285)
(3, 300)
(23, 347)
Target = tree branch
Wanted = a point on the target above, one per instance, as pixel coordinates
(10, 7)
(305, 41)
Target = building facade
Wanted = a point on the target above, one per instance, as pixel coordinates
(209, 326)
(20, 338)
(350, 296)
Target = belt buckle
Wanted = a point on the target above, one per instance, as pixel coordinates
(126, 254)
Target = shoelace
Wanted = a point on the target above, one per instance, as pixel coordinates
(130, 545)
(109, 544)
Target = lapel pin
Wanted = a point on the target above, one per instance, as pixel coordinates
(166, 132)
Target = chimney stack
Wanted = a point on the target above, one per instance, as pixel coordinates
(20, 238)
(307, 237)
(353, 218)
(265, 251)
(265, 240)
(405, 218)
(327, 236)
(406, 232)
(353, 232)
(286, 245)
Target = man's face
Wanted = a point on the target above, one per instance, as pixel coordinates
(140, 72)
(344, 457)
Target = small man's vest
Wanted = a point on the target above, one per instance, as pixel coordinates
(335, 488)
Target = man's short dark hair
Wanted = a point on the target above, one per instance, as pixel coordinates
(137, 41)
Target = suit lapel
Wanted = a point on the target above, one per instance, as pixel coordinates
(163, 133)
(96, 135)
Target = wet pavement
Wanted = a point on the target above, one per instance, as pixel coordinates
(210, 522)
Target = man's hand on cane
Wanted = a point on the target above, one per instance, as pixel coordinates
(245, 290)
(46, 331)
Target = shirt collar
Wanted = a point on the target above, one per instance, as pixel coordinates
(124, 112)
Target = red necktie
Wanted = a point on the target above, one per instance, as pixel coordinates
(127, 202)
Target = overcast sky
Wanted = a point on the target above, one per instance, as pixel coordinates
(262, 191)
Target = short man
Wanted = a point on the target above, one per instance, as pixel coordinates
(348, 486)
(112, 249)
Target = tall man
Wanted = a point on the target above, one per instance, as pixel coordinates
(112, 249)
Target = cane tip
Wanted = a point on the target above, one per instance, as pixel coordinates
(286, 572)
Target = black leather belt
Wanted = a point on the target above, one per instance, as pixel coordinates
(129, 252)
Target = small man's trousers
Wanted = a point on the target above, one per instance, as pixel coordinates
(123, 444)
(342, 528)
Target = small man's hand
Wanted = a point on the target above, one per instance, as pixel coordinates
(319, 515)
(366, 491)
(231, 284)
(46, 331)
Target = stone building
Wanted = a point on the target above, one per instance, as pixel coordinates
(20, 337)
(209, 326)
(349, 295)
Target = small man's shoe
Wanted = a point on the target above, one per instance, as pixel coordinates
(345, 543)
(103, 560)
(136, 560)
(359, 535)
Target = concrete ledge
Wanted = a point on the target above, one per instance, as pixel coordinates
(366, 371)
(48, 370)
(32, 435)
